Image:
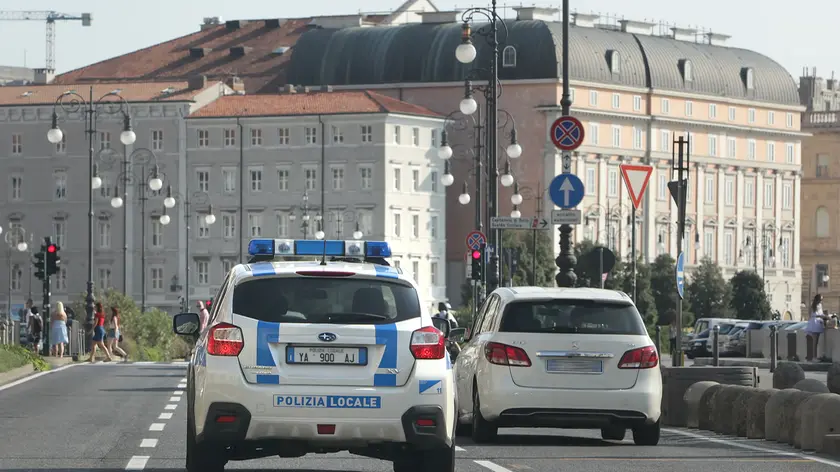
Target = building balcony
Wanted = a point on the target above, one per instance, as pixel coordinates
(820, 119)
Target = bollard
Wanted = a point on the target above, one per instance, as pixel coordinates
(715, 348)
(774, 348)
(656, 342)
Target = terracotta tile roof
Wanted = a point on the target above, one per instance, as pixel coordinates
(313, 103)
(207, 52)
(132, 92)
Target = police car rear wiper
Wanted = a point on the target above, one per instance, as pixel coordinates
(354, 315)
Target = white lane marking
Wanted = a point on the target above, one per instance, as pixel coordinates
(180, 363)
(460, 449)
(137, 463)
(174, 399)
(170, 407)
(35, 376)
(157, 426)
(148, 443)
(165, 416)
(492, 466)
(144, 363)
(750, 447)
(178, 392)
(184, 380)
(182, 385)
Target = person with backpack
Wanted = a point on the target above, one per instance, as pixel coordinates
(36, 329)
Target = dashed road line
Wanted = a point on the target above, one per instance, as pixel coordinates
(492, 466)
(157, 426)
(460, 449)
(148, 443)
(137, 463)
(178, 392)
(165, 416)
(174, 399)
(170, 407)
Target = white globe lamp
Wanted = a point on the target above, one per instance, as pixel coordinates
(164, 219)
(128, 137)
(55, 135)
(116, 202)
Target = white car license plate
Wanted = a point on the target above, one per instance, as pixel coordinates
(574, 366)
(326, 355)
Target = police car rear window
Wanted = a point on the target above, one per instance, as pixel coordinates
(572, 316)
(325, 300)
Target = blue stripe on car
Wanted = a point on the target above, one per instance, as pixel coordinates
(268, 379)
(263, 268)
(386, 272)
(266, 333)
(387, 335)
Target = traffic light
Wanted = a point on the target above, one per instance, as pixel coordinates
(477, 258)
(53, 259)
(39, 265)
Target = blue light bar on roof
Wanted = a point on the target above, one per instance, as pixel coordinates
(314, 247)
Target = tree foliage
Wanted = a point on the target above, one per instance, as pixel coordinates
(588, 276)
(709, 294)
(749, 300)
(643, 298)
(522, 242)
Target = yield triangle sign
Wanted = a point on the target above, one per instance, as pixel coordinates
(636, 178)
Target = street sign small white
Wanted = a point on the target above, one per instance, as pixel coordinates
(509, 222)
(566, 217)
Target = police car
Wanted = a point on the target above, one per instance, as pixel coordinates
(319, 347)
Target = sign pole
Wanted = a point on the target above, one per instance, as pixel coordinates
(633, 249)
(682, 159)
(601, 265)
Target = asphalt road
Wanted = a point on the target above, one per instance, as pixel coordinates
(112, 417)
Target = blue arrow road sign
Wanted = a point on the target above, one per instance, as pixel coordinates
(566, 190)
(681, 275)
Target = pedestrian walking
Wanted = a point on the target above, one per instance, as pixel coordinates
(36, 327)
(816, 325)
(115, 335)
(58, 331)
(99, 334)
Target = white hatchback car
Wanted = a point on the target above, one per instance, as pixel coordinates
(334, 353)
(576, 358)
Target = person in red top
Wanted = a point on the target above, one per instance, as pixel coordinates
(99, 333)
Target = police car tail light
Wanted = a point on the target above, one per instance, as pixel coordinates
(225, 340)
(428, 343)
(502, 354)
(641, 358)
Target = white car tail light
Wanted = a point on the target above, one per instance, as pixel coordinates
(428, 343)
(225, 339)
(641, 358)
(502, 354)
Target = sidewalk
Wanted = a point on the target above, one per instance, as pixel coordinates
(761, 363)
(28, 369)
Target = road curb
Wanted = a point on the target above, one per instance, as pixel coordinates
(761, 364)
(17, 374)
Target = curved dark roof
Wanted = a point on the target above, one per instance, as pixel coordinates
(425, 53)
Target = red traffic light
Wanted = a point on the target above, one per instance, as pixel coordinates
(476, 254)
(51, 248)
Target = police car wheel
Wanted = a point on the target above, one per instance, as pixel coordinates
(199, 457)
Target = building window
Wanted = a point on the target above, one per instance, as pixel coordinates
(749, 193)
(771, 152)
(284, 136)
(16, 188)
(509, 56)
(729, 191)
(311, 135)
(310, 179)
(104, 278)
(255, 224)
(593, 98)
(17, 144)
(751, 149)
(732, 113)
(415, 180)
(282, 179)
(768, 194)
(666, 141)
(616, 136)
(433, 274)
(751, 115)
(229, 179)
(688, 71)
(784, 250)
(415, 137)
(227, 266)
(434, 139)
(662, 187)
(433, 227)
(823, 223)
(771, 118)
(156, 275)
(60, 179)
(713, 145)
(230, 137)
(637, 138)
(256, 137)
(790, 153)
(787, 196)
(202, 272)
(749, 79)
(367, 133)
(612, 183)
(16, 282)
(731, 148)
(203, 227)
(666, 106)
(592, 136)
(338, 178)
(157, 233)
(338, 138)
(397, 224)
(590, 185)
(203, 138)
(157, 140)
(397, 138)
(728, 243)
(104, 140)
(616, 101)
(822, 165)
(712, 111)
(709, 243)
(202, 177)
(397, 180)
(366, 178)
(229, 225)
(415, 226)
(255, 175)
(637, 103)
(60, 233)
(822, 276)
(61, 280)
(104, 230)
(789, 120)
(710, 189)
(689, 108)
(415, 271)
(433, 179)
(282, 225)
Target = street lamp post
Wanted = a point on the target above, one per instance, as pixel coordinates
(111, 103)
(304, 215)
(466, 53)
(15, 240)
(198, 197)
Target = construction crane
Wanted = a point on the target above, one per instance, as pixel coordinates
(50, 17)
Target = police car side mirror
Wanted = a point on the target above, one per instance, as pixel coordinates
(457, 334)
(186, 324)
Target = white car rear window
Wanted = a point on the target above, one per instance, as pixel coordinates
(325, 300)
(572, 316)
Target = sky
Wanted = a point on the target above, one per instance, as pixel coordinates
(793, 38)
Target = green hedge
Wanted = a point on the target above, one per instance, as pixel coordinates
(12, 357)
